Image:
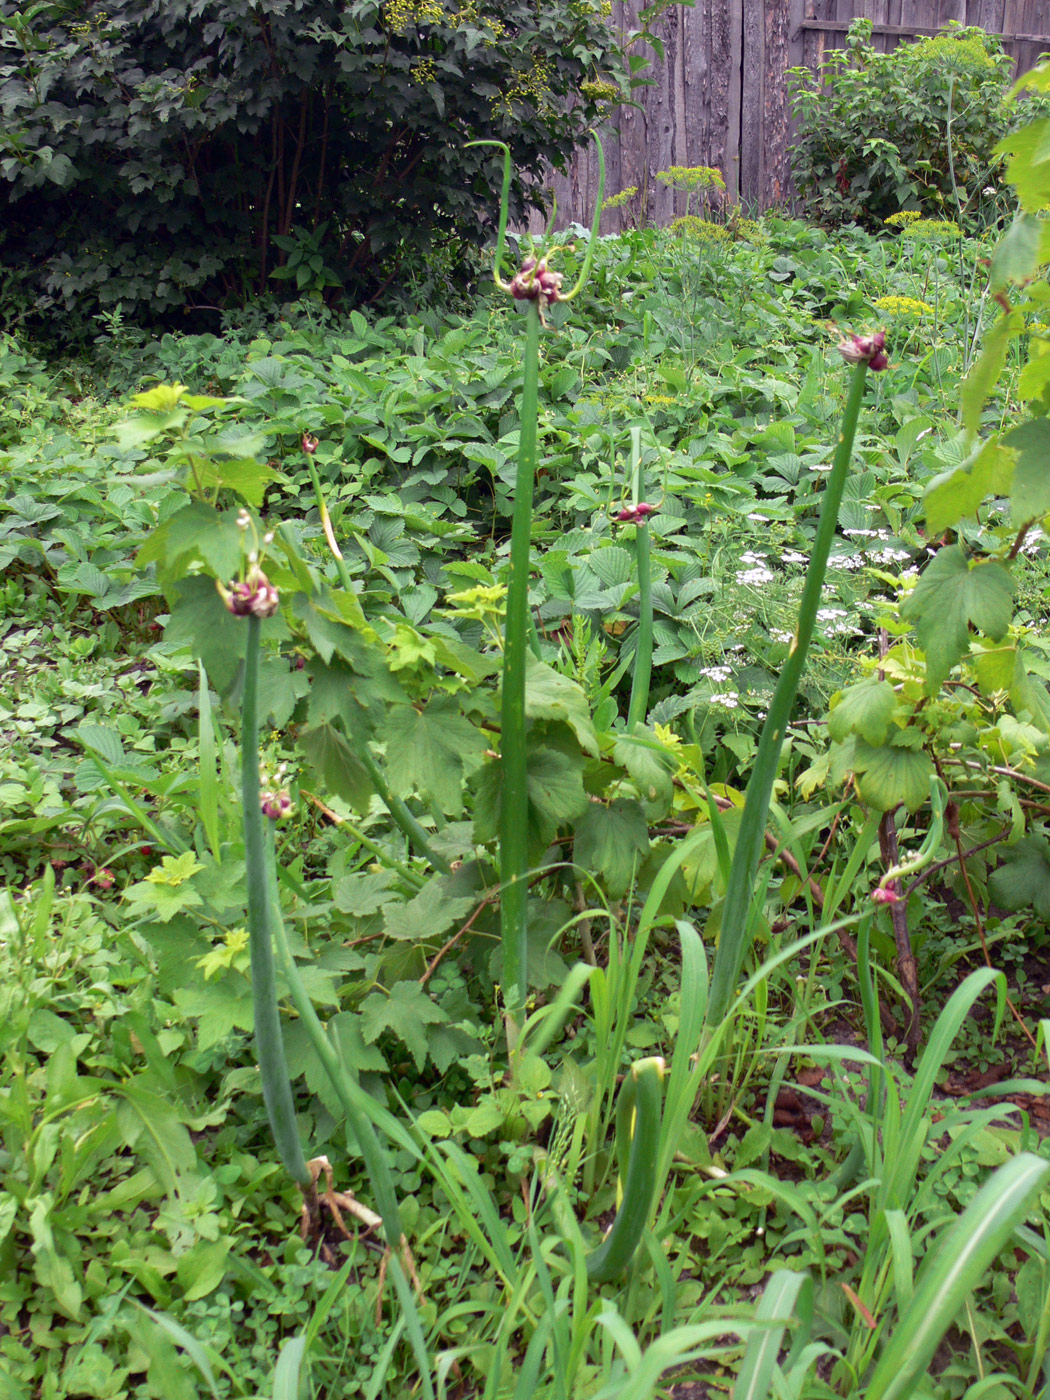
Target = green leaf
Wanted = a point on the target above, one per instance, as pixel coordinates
(1030, 492)
(550, 695)
(431, 751)
(959, 492)
(200, 621)
(890, 775)
(201, 1270)
(1028, 163)
(406, 1011)
(954, 594)
(865, 709)
(1022, 881)
(953, 1270)
(613, 839)
(196, 532)
(650, 767)
(427, 915)
(339, 768)
(1017, 254)
(288, 1371)
(986, 371)
(556, 795)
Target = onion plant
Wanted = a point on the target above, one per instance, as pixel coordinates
(538, 286)
(739, 913)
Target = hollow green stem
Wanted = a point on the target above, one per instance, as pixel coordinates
(269, 1045)
(347, 1090)
(643, 650)
(514, 838)
(637, 1141)
(736, 935)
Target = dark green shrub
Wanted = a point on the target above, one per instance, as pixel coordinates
(873, 128)
(170, 153)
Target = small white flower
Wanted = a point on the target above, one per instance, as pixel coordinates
(729, 700)
(717, 673)
(752, 556)
(830, 614)
(754, 577)
(792, 556)
(778, 634)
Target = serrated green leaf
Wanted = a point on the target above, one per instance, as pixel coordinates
(1028, 163)
(986, 370)
(1022, 881)
(959, 492)
(650, 767)
(1016, 256)
(428, 915)
(201, 621)
(197, 531)
(1030, 489)
(865, 709)
(555, 791)
(890, 775)
(613, 839)
(431, 751)
(362, 894)
(954, 594)
(550, 695)
(337, 765)
(406, 1011)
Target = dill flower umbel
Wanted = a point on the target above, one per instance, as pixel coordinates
(933, 228)
(903, 218)
(692, 226)
(903, 306)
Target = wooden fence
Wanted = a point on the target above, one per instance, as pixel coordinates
(720, 92)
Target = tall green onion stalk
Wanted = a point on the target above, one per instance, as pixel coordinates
(538, 286)
(638, 513)
(269, 1045)
(864, 353)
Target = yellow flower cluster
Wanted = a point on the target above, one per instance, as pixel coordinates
(692, 177)
(468, 14)
(660, 400)
(933, 228)
(690, 226)
(401, 15)
(423, 71)
(903, 306)
(903, 219)
(617, 201)
(959, 53)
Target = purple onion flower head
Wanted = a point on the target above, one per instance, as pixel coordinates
(275, 804)
(635, 514)
(252, 596)
(536, 281)
(868, 350)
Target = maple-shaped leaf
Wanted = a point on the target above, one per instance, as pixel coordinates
(892, 774)
(865, 709)
(431, 751)
(1023, 879)
(953, 595)
(550, 695)
(1030, 488)
(554, 774)
(429, 914)
(614, 840)
(959, 492)
(200, 621)
(406, 1011)
(650, 766)
(337, 765)
(196, 532)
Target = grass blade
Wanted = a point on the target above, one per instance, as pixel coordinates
(956, 1267)
(777, 1305)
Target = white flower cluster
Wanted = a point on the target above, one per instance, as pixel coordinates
(716, 673)
(729, 700)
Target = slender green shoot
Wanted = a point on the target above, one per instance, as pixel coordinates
(269, 1045)
(737, 925)
(637, 1144)
(643, 650)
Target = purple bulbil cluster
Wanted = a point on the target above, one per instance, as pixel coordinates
(536, 280)
(254, 596)
(865, 349)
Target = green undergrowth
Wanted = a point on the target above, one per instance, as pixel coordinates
(149, 1241)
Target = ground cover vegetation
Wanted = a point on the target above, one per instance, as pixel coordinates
(524, 831)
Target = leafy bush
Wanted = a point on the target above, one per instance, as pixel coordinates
(879, 132)
(164, 153)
